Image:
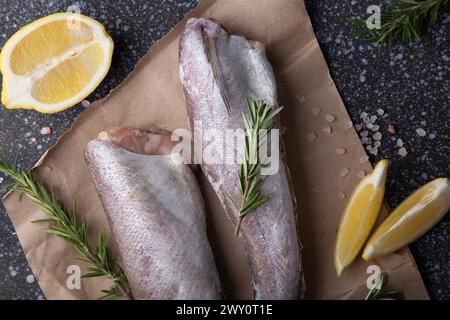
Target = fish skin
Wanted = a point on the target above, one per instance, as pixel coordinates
(156, 214)
(215, 90)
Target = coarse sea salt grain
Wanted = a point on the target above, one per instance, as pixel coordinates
(392, 129)
(315, 111)
(380, 112)
(361, 174)
(363, 114)
(85, 103)
(399, 143)
(377, 136)
(30, 278)
(330, 117)
(317, 189)
(364, 159)
(373, 119)
(311, 136)
(344, 172)
(327, 129)
(402, 152)
(364, 133)
(375, 127)
(348, 125)
(342, 195)
(358, 127)
(421, 132)
(340, 151)
(46, 130)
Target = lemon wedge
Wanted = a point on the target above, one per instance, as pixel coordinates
(54, 62)
(411, 219)
(359, 216)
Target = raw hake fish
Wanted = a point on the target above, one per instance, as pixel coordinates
(218, 72)
(156, 213)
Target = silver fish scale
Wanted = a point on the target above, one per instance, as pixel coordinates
(157, 217)
(268, 235)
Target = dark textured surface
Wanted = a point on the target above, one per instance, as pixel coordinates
(411, 86)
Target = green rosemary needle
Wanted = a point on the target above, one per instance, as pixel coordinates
(382, 293)
(256, 127)
(64, 224)
(404, 22)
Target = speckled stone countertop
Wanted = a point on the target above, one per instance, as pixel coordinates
(405, 87)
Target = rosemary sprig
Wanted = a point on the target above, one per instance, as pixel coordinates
(64, 224)
(382, 293)
(256, 128)
(405, 21)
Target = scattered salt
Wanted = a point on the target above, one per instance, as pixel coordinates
(364, 133)
(311, 136)
(363, 115)
(330, 117)
(402, 151)
(399, 143)
(344, 172)
(364, 159)
(348, 125)
(377, 136)
(30, 278)
(375, 127)
(317, 189)
(432, 136)
(340, 151)
(374, 151)
(301, 99)
(358, 127)
(327, 129)
(391, 129)
(377, 144)
(46, 130)
(373, 119)
(342, 195)
(361, 174)
(369, 125)
(85, 103)
(380, 112)
(421, 132)
(315, 111)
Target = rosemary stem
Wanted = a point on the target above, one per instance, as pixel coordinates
(90, 254)
(244, 196)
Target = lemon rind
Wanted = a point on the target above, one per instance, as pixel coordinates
(57, 107)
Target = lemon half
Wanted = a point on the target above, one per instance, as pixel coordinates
(54, 62)
(359, 216)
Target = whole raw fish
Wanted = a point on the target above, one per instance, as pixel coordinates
(218, 72)
(156, 213)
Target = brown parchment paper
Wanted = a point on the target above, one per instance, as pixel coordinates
(152, 95)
